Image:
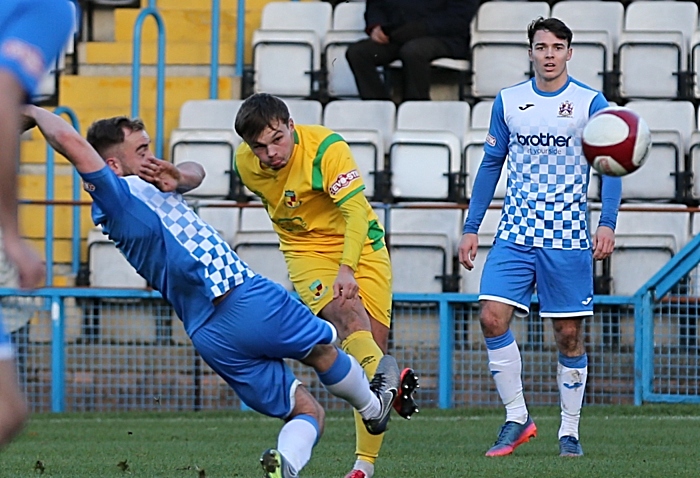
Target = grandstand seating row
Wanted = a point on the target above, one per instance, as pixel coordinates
(431, 151)
(649, 50)
(423, 241)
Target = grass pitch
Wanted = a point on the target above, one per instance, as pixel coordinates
(647, 441)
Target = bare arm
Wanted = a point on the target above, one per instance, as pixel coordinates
(167, 177)
(65, 139)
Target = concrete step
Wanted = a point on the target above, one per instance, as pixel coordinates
(176, 53)
(180, 26)
(225, 71)
(110, 92)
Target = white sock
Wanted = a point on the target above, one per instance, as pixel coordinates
(506, 367)
(353, 387)
(365, 466)
(572, 385)
(296, 440)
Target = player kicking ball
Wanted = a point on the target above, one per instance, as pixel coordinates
(242, 324)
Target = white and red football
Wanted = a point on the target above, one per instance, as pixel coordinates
(616, 141)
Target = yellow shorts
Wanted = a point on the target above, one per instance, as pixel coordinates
(313, 275)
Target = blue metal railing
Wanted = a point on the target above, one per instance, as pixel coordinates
(445, 302)
(51, 195)
(240, 38)
(650, 293)
(214, 74)
(55, 298)
(150, 10)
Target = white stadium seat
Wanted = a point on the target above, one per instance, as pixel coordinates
(489, 226)
(644, 243)
(658, 34)
(257, 244)
(305, 111)
(474, 147)
(367, 127)
(694, 156)
(287, 47)
(597, 26)
(426, 150)
(423, 240)
(206, 135)
(671, 124)
(348, 28)
(107, 266)
(499, 45)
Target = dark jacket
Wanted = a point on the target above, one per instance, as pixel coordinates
(445, 19)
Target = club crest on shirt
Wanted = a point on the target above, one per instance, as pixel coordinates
(89, 187)
(291, 200)
(318, 289)
(342, 181)
(566, 109)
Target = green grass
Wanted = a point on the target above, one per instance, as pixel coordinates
(648, 441)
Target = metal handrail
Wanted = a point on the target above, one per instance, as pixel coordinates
(49, 212)
(150, 10)
(240, 38)
(214, 72)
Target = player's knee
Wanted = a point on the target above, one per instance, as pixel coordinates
(306, 404)
(347, 316)
(492, 322)
(321, 357)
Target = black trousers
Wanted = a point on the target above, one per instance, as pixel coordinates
(415, 55)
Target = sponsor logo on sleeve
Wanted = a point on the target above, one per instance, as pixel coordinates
(490, 140)
(342, 181)
(89, 187)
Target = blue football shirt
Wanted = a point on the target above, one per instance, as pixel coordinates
(547, 175)
(167, 243)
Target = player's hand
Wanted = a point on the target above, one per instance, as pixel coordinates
(378, 36)
(345, 286)
(30, 267)
(603, 243)
(162, 174)
(467, 250)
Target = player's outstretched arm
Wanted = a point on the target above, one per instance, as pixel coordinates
(65, 139)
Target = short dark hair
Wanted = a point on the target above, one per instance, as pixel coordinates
(105, 133)
(258, 112)
(554, 25)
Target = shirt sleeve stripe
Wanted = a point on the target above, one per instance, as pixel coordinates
(316, 174)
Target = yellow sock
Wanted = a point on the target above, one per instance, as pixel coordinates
(362, 346)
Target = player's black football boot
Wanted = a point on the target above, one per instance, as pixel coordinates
(405, 404)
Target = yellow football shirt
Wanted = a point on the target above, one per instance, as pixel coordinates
(304, 198)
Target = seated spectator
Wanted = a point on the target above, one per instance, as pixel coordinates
(415, 32)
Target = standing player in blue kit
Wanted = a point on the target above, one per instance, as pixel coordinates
(543, 237)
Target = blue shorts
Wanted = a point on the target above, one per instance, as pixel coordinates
(564, 279)
(32, 34)
(255, 327)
